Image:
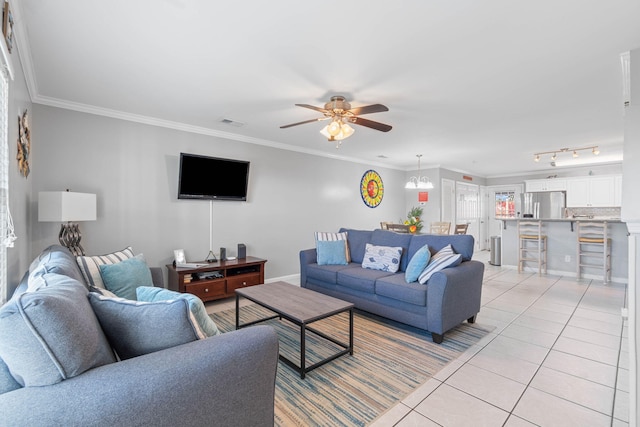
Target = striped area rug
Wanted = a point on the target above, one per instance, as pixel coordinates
(390, 360)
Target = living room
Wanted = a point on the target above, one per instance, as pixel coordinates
(129, 158)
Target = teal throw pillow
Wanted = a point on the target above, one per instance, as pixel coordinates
(384, 258)
(332, 252)
(417, 264)
(135, 328)
(445, 257)
(196, 306)
(124, 277)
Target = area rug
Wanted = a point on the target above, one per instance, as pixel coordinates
(390, 360)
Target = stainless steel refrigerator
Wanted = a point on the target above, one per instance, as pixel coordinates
(544, 205)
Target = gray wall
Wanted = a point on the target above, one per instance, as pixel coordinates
(18, 257)
(133, 169)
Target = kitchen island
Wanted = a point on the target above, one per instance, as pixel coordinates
(562, 246)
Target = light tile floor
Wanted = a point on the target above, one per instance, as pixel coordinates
(557, 357)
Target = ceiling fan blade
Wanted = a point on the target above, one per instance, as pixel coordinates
(370, 124)
(322, 110)
(368, 109)
(301, 123)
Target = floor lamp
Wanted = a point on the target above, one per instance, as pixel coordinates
(68, 208)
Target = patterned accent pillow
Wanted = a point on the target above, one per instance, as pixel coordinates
(445, 257)
(384, 258)
(325, 236)
(90, 265)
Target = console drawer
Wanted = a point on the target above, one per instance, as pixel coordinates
(206, 289)
(242, 281)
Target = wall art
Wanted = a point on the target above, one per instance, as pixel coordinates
(24, 144)
(371, 188)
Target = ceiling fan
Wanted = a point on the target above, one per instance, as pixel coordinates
(339, 111)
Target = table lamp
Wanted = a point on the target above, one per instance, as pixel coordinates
(67, 208)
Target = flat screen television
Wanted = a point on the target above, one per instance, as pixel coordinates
(212, 178)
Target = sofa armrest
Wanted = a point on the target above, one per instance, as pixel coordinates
(157, 277)
(226, 380)
(454, 295)
(307, 256)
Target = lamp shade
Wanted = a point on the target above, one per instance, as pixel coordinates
(62, 206)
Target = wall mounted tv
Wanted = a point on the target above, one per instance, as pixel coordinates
(212, 178)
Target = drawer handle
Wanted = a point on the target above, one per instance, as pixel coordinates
(206, 289)
(244, 283)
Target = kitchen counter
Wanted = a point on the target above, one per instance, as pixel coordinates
(562, 245)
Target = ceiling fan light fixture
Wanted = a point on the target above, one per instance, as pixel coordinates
(575, 154)
(595, 151)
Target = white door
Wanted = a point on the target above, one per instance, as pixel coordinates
(448, 208)
(484, 219)
(468, 209)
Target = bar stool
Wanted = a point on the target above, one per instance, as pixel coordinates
(594, 248)
(532, 245)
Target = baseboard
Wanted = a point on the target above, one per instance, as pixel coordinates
(293, 279)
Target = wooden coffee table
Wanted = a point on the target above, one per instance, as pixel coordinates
(300, 306)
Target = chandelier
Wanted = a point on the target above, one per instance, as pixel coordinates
(419, 182)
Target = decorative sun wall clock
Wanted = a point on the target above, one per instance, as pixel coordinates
(24, 144)
(371, 188)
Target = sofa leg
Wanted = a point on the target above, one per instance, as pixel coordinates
(472, 319)
(437, 338)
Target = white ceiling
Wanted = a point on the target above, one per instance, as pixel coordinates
(475, 86)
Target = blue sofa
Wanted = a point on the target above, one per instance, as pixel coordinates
(225, 380)
(448, 298)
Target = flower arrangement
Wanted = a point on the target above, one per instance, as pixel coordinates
(413, 220)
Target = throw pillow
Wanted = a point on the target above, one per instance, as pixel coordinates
(135, 328)
(196, 306)
(385, 258)
(52, 334)
(124, 277)
(89, 265)
(417, 264)
(443, 259)
(322, 236)
(331, 252)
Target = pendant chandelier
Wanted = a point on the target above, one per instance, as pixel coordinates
(419, 182)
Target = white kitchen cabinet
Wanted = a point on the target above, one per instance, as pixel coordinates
(552, 184)
(591, 191)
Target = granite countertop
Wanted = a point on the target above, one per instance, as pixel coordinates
(581, 218)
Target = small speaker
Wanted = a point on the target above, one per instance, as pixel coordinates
(223, 254)
(242, 250)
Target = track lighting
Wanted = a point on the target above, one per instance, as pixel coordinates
(574, 152)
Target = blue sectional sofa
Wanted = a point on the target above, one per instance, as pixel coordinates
(448, 298)
(57, 367)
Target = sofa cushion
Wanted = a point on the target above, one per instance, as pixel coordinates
(135, 328)
(390, 238)
(343, 236)
(52, 334)
(360, 279)
(445, 257)
(461, 243)
(89, 265)
(357, 240)
(196, 306)
(54, 259)
(328, 273)
(395, 287)
(417, 264)
(331, 252)
(122, 278)
(383, 258)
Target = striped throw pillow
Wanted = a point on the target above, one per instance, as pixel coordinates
(324, 236)
(443, 259)
(90, 265)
